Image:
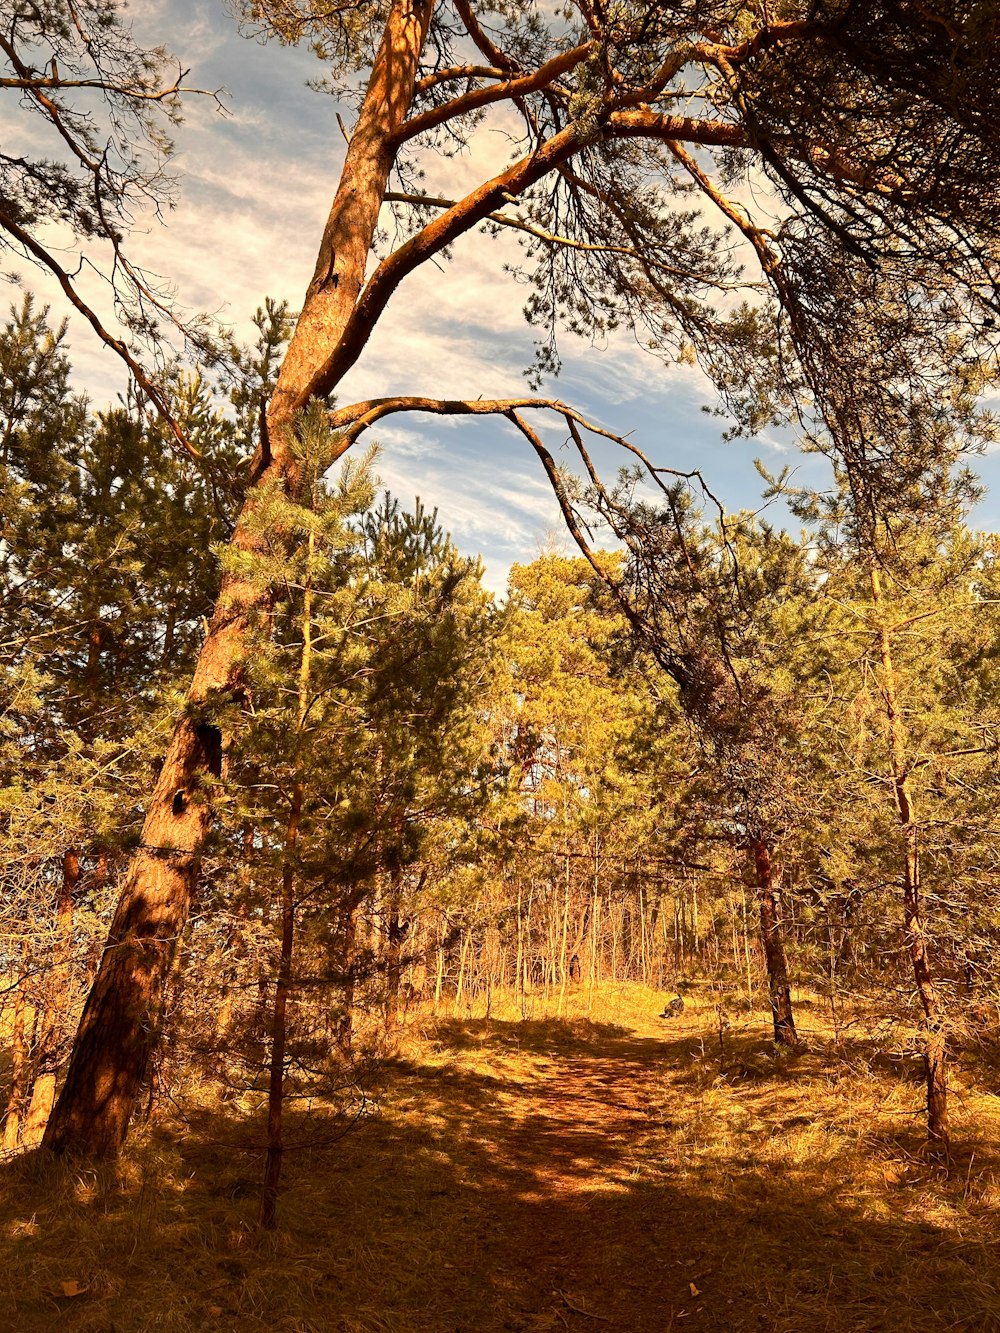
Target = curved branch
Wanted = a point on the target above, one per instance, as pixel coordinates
(477, 207)
(510, 90)
(352, 421)
(489, 48)
(458, 72)
(566, 242)
(120, 349)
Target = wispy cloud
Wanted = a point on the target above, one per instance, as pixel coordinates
(256, 187)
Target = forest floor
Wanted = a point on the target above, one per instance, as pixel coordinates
(611, 1173)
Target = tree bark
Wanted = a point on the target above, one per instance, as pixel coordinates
(915, 930)
(57, 999)
(779, 990)
(345, 1028)
(18, 1059)
(120, 1023)
(395, 934)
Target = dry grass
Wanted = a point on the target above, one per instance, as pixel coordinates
(606, 1171)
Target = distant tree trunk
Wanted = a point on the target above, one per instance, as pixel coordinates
(935, 1042)
(463, 953)
(56, 1006)
(18, 1058)
(746, 948)
(774, 948)
(99, 884)
(439, 977)
(395, 934)
(593, 974)
(345, 1028)
(519, 963)
(563, 946)
(279, 1030)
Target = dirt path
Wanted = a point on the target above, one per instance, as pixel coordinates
(536, 1177)
(530, 1177)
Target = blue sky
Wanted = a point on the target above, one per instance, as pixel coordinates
(255, 186)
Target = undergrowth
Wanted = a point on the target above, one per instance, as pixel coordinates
(606, 1169)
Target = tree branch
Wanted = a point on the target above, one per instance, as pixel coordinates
(477, 206)
(489, 49)
(121, 350)
(568, 242)
(543, 77)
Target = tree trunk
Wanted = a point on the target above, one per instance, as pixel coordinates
(396, 933)
(18, 1059)
(935, 1043)
(563, 947)
(345, 1028)
(439, 978)
(57, 999)
(120, 1023)
(279, 1031)
(779, 990)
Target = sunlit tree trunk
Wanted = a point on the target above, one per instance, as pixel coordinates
(779, 990)
(935, 1043)
(121, 1019)
(57, 998)
(18, 1058)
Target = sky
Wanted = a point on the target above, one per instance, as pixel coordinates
(255, 185)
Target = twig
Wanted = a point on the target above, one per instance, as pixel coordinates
(577, 1310)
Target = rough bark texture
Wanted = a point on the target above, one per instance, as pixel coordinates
(120, 1023)
(779, 990)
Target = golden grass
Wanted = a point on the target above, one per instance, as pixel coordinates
(603, 1171)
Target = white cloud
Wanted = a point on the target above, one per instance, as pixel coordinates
(256, 188)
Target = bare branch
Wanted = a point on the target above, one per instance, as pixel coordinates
(120, 349)
(543, 77)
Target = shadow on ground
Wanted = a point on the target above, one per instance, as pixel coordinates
(519, 1177)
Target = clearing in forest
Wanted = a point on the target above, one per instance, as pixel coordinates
(537, 1175)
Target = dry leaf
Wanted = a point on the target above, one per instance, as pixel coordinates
(694, 1289)
(70, 1287)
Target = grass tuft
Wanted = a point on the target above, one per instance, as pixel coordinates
(603, 1169)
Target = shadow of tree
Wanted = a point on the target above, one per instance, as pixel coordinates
(531, 1179)
(541, 1036)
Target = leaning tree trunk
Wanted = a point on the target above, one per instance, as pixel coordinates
(774, 947)
(119, 1026)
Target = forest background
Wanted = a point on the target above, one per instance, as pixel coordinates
(720, 756)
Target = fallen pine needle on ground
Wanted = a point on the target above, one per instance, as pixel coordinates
(617, 1171)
